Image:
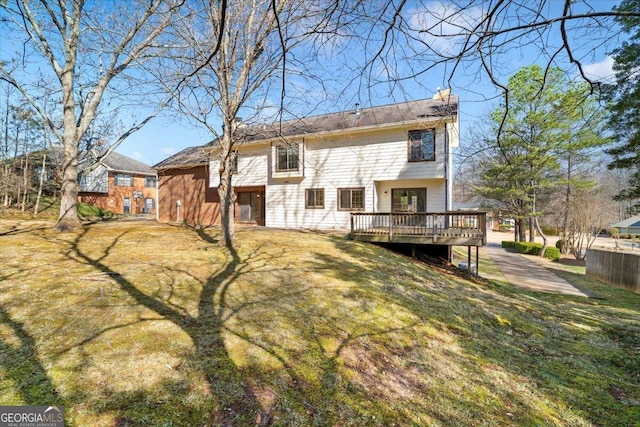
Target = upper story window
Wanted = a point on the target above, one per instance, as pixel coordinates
(351, 199)
(286, 158)
(234, 162)
(82, 180)
(422, 145)
(123, 180)
(150, 181)
(37, 173)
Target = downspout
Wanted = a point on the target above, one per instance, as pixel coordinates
(157, 198)
(447, 203)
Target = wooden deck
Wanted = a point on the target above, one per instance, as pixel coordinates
(431, 228)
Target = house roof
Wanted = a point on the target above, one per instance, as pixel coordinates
(634, 221)
(406, 113)
(190, 156)
(424, 110)
(120, 163)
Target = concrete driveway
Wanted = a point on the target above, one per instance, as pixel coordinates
(525, 271)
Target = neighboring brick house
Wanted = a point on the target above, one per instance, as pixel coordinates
(119, 184)
(314, 172)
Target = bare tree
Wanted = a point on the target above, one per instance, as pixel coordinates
(236, 57)
(461, 43)
(590, 214)
(87, 46)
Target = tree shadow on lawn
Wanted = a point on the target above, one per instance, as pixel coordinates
(543, 343)
(22, 367)
(235, 403)
(300, 386)
(291, 342)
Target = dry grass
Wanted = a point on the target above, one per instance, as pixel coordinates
(142, 324)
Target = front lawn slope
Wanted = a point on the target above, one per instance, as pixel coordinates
(142, 324)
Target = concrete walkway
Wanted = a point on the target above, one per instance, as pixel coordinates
(526, 272)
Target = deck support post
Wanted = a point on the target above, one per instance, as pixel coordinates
(477, 261)
(469, 261)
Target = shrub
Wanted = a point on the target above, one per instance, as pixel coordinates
(529, 248)
(623, 236)
(552, 253)
(89, 211)
(508, 244)
(533, 248)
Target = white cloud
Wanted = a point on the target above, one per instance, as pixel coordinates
(137, 155)
(444, 25)
(601, 71)
(168, 150)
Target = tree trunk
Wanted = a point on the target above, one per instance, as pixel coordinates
(68, 218)
(532, 234)
(544, 237)
(5, 178)
(567, 202)
(40, 183)
(5, 155)
(25, 179)
(522, 230)
(227, 195)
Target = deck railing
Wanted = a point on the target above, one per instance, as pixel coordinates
(436, 227)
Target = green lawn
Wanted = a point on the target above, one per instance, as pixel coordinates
(130, 323)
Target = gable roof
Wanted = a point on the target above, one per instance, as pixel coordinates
(634, 221)
(191, 156)
(117, 162)
(406, 113)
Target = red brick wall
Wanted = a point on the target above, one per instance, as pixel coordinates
(200, 205)
(114, 200)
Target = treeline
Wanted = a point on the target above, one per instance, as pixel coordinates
(29, 166)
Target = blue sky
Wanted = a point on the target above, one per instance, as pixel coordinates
(166, 135)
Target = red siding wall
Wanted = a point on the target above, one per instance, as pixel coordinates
(200, 205)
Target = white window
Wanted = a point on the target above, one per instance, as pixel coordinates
(123, 180)
(286, 158)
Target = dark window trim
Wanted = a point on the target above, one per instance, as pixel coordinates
(394, 191)
(351, 209)
(295, 152)
(234, 163)
(306, 198)
(409, 139)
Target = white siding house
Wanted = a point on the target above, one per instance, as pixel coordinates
(313, 172)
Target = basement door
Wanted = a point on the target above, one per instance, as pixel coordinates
(251, 207)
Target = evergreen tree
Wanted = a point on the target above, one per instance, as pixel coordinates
(625, 105)
(548, 127)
